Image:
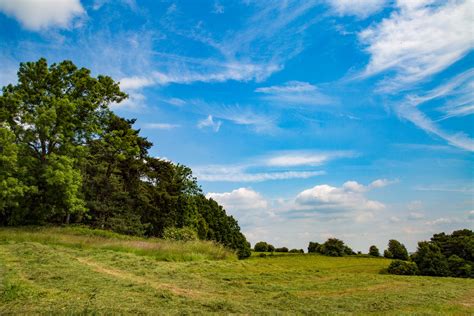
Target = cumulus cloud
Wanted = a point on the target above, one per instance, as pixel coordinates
(327, 198)
(37, 15)
(357, 8)
(419, 39)
(210, 123)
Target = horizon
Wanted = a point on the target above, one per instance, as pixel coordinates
(304, 119)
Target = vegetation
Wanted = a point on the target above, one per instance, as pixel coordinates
(396, 250)
(401, 267)
(374, 251)
(84, 271)
(332, 247)
(65, 157)
(262, 246)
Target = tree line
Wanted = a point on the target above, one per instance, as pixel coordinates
(65, 157)
(443, 255)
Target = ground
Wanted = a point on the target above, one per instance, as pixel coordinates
(74, 271)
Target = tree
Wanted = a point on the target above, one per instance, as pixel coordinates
(313, 247)
(261, 246)
(333, 247)
(52, 112)
(374, 251)
(387, 254)
(402, 267)
(282, 249)
(397, 250)
(430, 260)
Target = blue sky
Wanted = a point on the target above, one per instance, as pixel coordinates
(305, 119)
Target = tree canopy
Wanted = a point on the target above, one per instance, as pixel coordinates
(65, 157)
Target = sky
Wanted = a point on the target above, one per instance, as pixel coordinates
(305, 119)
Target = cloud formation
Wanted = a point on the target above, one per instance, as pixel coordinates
(210, 123)
(418, 39)
(38, 15)
(295, 93)
(361, 9)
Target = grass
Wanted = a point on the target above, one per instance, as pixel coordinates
(79, 271)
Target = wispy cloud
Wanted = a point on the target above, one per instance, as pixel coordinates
(210, 123)
(295, 93)
(163, 126)
(306, 158)
(361, 9)
(40, 15)
(459, 89)
(417, 40)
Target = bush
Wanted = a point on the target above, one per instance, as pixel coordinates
(333, 247)
(313, 247)
(270, 248)
(261, 246)
(430, 260)
(182, 234)
(387, 254)
(401, 267)
(296, 251)
(397, 249)
(459, 267)
(374, 251)
(282, 249)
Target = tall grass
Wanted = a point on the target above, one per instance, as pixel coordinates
(86, 238)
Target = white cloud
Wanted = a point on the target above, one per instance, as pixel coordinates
(135, 82)
(327, 198)
(134, 103)
(295, 93)
(242, 199)
(359, 8)
(42, 14)
(164, 126)
(470, 215)
(176, 101)
(460, 88)
(210, 123)
(241, 174)
(305, 158)
(419, 39)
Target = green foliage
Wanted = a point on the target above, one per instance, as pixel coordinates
(430, 260)
(374, 251)
(182, 234)
(261, 246)
(66, 158)
(387, 254)
(334, 247)
(397, 250)
(313, 247)
(282, 249)
(296, 251)
(402, 267)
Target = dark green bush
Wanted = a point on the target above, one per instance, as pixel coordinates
(401, 267)
(387, 254)
(333, 247)
(296, 251)
(374, 251)
(261, 246)
(313, 247)
(182, 234)
(282, 249)
(397, 250)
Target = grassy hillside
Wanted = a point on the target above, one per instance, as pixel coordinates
(82, 271)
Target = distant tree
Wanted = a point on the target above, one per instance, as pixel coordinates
(296, 251)
(430, 260)
(374, 251)
(270, 248)
(261, 246)
(282, 249)
(348, 251)
(397, 250)
(313, 247)
(387, 254)
(460, 268)
(333, 247)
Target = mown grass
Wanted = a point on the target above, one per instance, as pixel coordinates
(48, 275)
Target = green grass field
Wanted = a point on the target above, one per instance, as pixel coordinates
(79, 271)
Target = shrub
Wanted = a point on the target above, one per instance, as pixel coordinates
(430, 260)
(282, 249)
(397, 249)
(182, 234)
(387, 254)
(348, 251)
(374, 251)
(270, 248)
(333, 247)
(401, 267)
(296, 251)
(459, 267)
(261, 246)
(313, 247)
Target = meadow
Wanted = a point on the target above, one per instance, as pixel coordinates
(83, 271)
